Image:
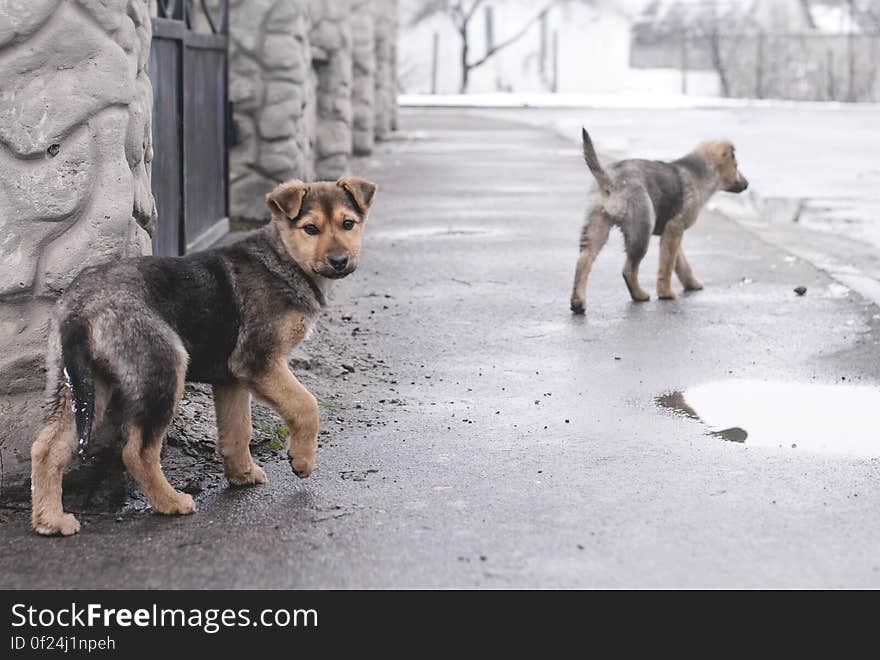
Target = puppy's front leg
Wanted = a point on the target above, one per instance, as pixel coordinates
(299, 410)
(670, 245)
(685, 274)
(232, 404)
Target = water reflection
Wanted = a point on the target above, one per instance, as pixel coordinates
(832, 419)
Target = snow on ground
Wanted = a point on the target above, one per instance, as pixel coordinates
(618, 101)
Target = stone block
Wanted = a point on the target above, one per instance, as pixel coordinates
(108, 13)
(333, 138)
(21, 18)
(330, 169)
(277, 121)
(69, 71)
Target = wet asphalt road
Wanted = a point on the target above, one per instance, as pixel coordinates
(526, 449)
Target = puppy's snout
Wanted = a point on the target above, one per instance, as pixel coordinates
(741, 185)
(338, 261)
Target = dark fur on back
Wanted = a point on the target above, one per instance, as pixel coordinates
(127, 321)
(663, 183)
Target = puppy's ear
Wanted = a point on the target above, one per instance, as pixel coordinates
(360, 190)
(285, 202)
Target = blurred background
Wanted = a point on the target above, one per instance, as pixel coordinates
(811, 50)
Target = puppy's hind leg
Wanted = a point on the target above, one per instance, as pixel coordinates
(232, 404)
(670, 244)
(151, 408)
(593, 239)
(142, 459)
(637, 239)
(50, 453)
(685, 274)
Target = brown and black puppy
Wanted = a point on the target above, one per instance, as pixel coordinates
(645, 197)
(126, 336)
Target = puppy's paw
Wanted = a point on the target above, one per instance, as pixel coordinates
(63, 525)
(637, 293)
(179, 505)
(694, 285)
(253, 476)
(666, 294)
(578, 306)
(302, 467)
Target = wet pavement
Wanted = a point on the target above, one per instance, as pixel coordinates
(484, 437)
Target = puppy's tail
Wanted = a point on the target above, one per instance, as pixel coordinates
(78, 372)
(593, 163)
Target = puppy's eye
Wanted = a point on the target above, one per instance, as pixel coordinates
(311, 230)
(348, 224)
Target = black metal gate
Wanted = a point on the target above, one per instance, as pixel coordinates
(191, 122)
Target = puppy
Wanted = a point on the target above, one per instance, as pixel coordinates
(126, 336)
(645, 197)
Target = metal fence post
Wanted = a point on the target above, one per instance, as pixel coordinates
(759, 67)
(435, 54)
(684, 62)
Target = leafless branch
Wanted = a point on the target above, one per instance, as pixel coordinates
(428, 9)
(511, 40)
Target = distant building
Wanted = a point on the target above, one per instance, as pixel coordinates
(812, 50)
(577, 47)
(659, 31)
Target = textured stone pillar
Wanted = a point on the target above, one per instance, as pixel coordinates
(75, 152)
(307, 89)
(332, 62)
(364, 83)
(269, 67)
(385, 103)
(394, 68)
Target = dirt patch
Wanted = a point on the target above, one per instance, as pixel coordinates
(335, 365)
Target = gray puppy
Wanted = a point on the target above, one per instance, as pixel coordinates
(645, 197)
(126, 336)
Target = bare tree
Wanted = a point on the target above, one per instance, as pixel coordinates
(461, 13)
(867, 13)
(712, 22)
(709, 25)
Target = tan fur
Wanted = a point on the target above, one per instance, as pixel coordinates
(143, 463)
(631, 277)
(50, 453)
(142, 459)
(311, 252)
(299, 410)
(723, 154)
(294, 329)
(594, 240)
(685, 274)
(232, 403)
(670, 243)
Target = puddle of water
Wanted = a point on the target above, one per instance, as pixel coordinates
(827, 419)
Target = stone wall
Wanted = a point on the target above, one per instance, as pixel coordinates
(269, 85)
(75, 152)
(385, 106)
(313, 82)
(363, 90)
